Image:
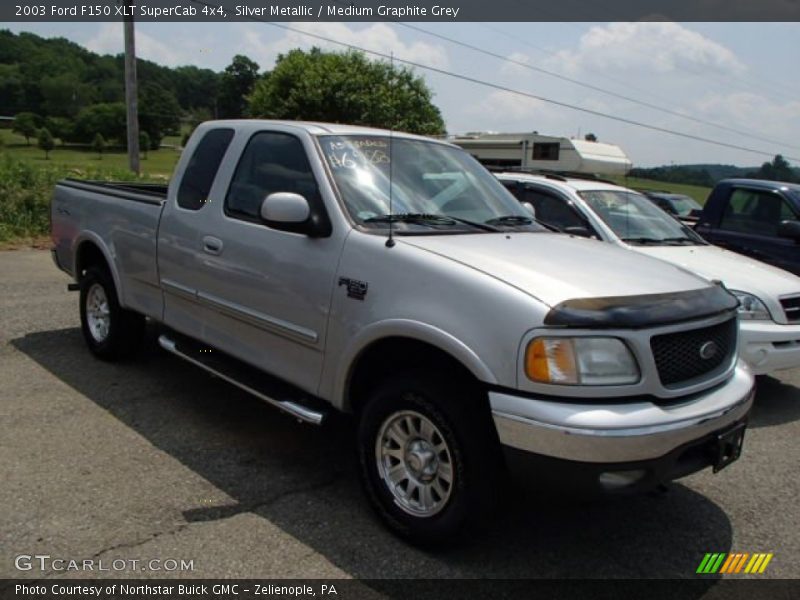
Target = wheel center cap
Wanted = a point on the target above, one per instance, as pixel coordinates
(421, 459)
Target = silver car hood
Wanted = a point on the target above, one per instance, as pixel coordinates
(555, 267)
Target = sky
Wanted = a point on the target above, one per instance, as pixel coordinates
(741, 76)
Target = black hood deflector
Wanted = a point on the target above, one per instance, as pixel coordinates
(642, 311)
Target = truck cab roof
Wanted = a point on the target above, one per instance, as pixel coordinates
(316, 128)
(762, 184)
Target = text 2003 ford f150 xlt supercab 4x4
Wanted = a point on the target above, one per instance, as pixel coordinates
(388, 275)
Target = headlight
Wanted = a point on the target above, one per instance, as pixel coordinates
(580, 361)
(750, 307)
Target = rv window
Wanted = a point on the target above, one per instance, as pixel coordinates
(546, 151)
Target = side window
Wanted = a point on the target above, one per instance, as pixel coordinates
(271, 162)
(546, 151)
(512, 187)
(202, 169)
(666, 205)
(551, 209)
(750, 211)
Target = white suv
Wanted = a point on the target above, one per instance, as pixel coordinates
(621, 216)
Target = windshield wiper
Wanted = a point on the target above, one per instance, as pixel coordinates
(427, 219)
(642, 240)
(666, 241)
(681, 240)
(416, 218)
(519, 220)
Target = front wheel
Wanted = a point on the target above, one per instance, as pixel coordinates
(428, 457)
(110, 331)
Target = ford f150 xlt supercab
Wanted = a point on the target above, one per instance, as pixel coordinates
(769, 310)
(387, 275)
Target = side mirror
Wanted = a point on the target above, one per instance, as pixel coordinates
(578, 230)
(789, 229)
(530, 208)
(285, 210)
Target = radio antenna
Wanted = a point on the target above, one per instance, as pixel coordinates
(390, 239)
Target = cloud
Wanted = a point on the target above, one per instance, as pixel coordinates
(379, 37)
(754, 112)
(662, 47)
(109, 40)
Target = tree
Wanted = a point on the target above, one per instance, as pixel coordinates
(26, 124)
(159, 114)
(45, 141)
(63, 95)
(61, 128)
(777, 170)
(99, 144)
(12, 90)
(196, 88)
(144, 142)
(236, 83)
(346, 88)
(109, 120)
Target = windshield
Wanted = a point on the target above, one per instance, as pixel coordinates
(683, 204)
(636, 220)
(432, 186)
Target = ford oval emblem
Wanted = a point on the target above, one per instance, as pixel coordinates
(708, 350)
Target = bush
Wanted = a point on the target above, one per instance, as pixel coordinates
(26, 189)
(44, 139)
(99, 144)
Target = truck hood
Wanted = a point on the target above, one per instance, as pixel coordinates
(555, 267)
(737, 272)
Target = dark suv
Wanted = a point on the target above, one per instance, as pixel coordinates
(758, 218)
(682, 207)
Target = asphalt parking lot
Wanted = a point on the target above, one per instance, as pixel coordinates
(154, 459)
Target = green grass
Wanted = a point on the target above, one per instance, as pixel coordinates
(157, 165)
(27, 181)
(697, 192)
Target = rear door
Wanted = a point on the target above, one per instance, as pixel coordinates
(749, 225)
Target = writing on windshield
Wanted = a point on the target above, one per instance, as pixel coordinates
(380, 175)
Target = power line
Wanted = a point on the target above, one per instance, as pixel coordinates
(790, 95)
(516, 92)
(596, 88)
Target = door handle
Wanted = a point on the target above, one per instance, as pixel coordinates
(212, 245)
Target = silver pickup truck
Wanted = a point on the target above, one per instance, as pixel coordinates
(390, 276)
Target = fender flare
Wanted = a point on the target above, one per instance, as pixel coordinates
(91, 237)
(414, 330)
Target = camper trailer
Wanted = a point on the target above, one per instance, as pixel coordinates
(544, 152)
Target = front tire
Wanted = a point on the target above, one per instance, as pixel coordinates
(428, 456)
(110, 331)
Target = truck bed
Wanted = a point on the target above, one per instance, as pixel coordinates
(119, 217)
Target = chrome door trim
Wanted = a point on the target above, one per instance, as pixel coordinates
(178, 289)
(258, 319)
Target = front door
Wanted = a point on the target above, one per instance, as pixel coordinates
(749, 225)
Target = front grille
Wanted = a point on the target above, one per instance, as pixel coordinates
(791, 307)
(686, 355)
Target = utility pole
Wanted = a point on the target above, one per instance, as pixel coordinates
(130, 91)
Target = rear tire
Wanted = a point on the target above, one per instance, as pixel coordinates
(429, 457)
(110, 331)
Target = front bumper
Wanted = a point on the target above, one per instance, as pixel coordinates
(768, 346)
(621, 433)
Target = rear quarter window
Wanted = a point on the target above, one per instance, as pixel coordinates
(202, 169)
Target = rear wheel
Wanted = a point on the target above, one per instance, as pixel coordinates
(110, 331)
(428, 457)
